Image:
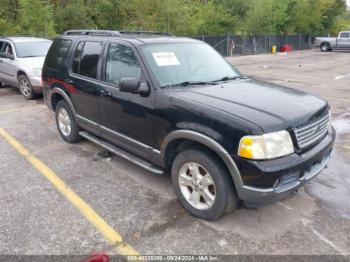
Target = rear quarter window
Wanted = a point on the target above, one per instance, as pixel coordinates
(58, 53)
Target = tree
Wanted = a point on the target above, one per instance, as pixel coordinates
(73, 15)
(183, 17)
(35, 18)
(107, 14)
(266, 17)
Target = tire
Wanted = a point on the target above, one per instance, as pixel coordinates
(26, 88)
(220, 192)
(66, 124)
(325, 47)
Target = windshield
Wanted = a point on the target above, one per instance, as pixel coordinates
(175, 64)
(32, 49)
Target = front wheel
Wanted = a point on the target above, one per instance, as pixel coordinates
(202, 184)
(66, 123)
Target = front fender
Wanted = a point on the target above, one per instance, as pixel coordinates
(209, 143)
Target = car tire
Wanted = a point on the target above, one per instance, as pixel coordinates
(66, 124)
(203, 196)
(325, 47)
(26, 88)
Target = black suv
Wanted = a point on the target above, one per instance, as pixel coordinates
(169, 103)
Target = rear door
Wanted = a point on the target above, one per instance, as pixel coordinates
(84, 75)
(344, 40)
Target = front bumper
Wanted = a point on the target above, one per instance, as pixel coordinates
(292, 171)
(36, 84)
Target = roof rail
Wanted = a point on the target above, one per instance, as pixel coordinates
(113, 33)
(146, 33)
(92, 32)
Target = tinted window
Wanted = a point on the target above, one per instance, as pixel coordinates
(345, 35)
(58, 52)
(89, 59)
(121, 63)
(77, 56)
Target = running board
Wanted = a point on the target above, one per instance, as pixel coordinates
(122, 153)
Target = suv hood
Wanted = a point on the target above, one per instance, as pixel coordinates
(32, 62)
(269, 106)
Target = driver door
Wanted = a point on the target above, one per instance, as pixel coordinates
(8, 69)
(127, 119)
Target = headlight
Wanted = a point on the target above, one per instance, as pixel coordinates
(266, 146)
(37, 72)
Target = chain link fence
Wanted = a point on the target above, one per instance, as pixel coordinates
(243, 45)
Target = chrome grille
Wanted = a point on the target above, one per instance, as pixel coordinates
(311, 132)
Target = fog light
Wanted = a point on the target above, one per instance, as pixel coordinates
(276, 183)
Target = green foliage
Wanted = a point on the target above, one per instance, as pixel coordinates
(73, 15)
(183, 17)
(35, 18)
(292, 16)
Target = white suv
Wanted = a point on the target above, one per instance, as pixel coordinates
(21, 62)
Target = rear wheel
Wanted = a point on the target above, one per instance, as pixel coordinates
(66, 123)
(325, 47)
(26, 88)
(203, 184)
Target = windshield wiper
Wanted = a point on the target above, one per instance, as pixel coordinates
(227, 78)
(191, 83)
(195, 83)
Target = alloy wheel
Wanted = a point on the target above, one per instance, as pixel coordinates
(64, 122)
(197, 186)
(25, 87)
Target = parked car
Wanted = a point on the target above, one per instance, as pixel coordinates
(327, 44)
(169, 103)
(21, 62)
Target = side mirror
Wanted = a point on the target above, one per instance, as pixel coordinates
(133, 85)
(7, 56)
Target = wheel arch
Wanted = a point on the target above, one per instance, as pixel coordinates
(20, 72)
(184, 138)
(58, 94)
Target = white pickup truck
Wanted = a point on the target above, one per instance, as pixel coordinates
(327, 44)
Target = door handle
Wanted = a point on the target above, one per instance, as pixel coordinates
(105, 93)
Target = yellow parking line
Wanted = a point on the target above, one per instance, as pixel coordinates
(112, 236)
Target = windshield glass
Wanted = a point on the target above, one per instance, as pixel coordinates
(174, 64)
(32, 49)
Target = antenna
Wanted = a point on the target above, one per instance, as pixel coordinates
(168, 10)
(168, 16)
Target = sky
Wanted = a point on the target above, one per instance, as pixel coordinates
(348, 3)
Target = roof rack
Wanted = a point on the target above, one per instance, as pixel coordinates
(92, 32)
(114, 33)
(146, 33)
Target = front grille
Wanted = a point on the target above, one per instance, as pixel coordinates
(310, 133)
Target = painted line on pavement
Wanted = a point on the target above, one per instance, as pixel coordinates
(111, 235)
